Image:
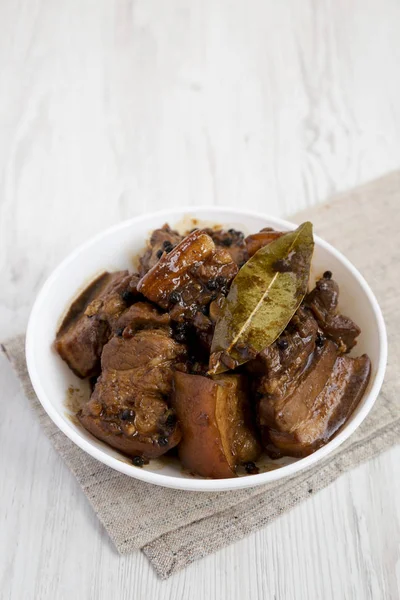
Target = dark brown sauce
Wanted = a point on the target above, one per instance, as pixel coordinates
(75, 398)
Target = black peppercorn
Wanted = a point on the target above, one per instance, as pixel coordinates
(327, 275)
(119, 331)
(168, 246)
(320, 340)
(162, 441)
(236, 233)
(138, 461)
(127, 296)
(282, 344)
(175, 297)
(127, 414)
(181, 331)
(251, 468)
(212, 284)
(159, 253)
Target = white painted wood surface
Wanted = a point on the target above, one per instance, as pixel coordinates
(109, 109)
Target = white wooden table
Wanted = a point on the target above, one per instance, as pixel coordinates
(111, 108)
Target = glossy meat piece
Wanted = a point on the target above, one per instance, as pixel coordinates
(323, 301)
(173, 270)
(311, 420)
(189, 277)
(217, 429)
(283, 410)
(161, 240)
(281, 364)
(86, 327)
(141, 315)
(129, 409)
(231, 240)
(304, 382)
(258, 240)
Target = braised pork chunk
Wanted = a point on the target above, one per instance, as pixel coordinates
(129, 408)
(90, 319)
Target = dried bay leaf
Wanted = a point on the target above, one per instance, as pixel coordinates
(262, 299)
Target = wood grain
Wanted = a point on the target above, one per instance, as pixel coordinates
(112, 109)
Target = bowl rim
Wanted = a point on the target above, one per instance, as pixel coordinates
(202, 484)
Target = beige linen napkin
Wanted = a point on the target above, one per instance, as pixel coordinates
(174, 528)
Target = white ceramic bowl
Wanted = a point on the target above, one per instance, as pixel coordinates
(115, 249)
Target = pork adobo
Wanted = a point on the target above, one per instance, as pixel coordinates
(216, 347)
